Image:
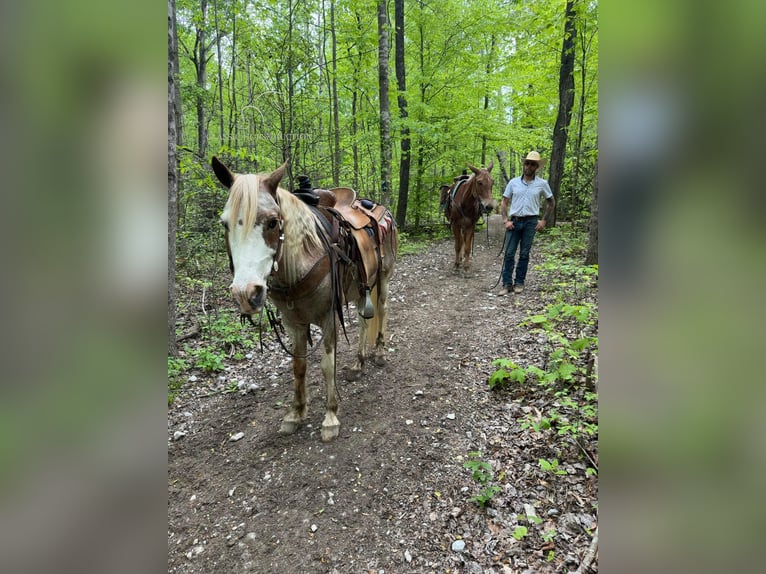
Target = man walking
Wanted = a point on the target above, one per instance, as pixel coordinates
(522, 218)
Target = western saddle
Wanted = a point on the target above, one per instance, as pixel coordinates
(355, 229)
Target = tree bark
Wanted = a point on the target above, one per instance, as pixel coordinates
(385, 112)
(404, 162)
(220, 72)
(490, 58)
(591, 257)
(335, 113)
(200, 58)
(503, 172)
(172, 175)
(566, 102)
(584, 49)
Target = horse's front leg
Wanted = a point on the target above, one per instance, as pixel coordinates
(330, 424)
(299, 407)
(458, 233)
(382, 315)
(467, 247)
(361, 350)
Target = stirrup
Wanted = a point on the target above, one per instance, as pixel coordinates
(367, 310)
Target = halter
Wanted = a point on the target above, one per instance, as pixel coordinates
(280, 241)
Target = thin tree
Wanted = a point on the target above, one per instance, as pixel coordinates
(385, 112)
(335, 120)
(220, 72)
(172, 175)
(404, 162)
(199, 57)
(488, 72)
(591, 257)
(566, 102)
(585, 41)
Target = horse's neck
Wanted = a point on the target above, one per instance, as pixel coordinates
(301, 247)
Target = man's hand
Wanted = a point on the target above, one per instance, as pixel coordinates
(540, 225)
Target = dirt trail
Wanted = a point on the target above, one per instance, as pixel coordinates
(390, 494)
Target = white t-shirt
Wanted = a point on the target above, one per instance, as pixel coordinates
(525, 197)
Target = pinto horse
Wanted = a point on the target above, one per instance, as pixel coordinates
(466, 201)
(281, 248)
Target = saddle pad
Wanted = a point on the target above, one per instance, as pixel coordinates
(457, 186)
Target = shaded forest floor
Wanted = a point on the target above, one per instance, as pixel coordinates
(392, 493)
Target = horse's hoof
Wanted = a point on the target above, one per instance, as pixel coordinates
(379, 360)
(330, 432)
(288, 427)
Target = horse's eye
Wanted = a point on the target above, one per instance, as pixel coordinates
(272, 223)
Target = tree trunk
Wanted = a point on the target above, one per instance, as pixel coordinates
(287, 148)
(357, 65)
(490, 58)
(200, 59)
(404, 162)
(566, 102)
(220, 72)
(335, 113)
(172, 175)
(503, 172)
(385, 112)
(584, 49)
(233, 112)
(591, 257)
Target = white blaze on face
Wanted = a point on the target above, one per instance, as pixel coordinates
(253, 258)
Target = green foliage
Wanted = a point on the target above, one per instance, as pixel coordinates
(507, 372)
(207, 360)
(176, 368)
(519, 532)
(482, 474)
(481, 469)
(275, 72)
(549, 535)
(225, 332)
(552, 466)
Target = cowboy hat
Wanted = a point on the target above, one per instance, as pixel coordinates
(533, 156)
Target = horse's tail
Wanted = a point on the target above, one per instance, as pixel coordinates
(373, 324)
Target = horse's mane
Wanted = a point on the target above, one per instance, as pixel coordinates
(301, 237)
(244, 195)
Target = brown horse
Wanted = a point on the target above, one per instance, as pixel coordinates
(309, 265)
(466, 201)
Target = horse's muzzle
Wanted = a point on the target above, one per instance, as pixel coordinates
(489, 207)
(250, 299)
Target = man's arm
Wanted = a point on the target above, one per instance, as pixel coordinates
(550, 204)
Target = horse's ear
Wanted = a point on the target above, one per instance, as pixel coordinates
(491, 164)
(473, 169)
(272, 181)
(222, 173)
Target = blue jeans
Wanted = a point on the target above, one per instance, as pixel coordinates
(523, 233)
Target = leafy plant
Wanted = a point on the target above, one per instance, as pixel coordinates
(507, 372)
(552, 466)
(176, 367)
(519, 532)
(548, 535)
(207, 360)
(485, 495)
(481, 469)
(481, 472)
